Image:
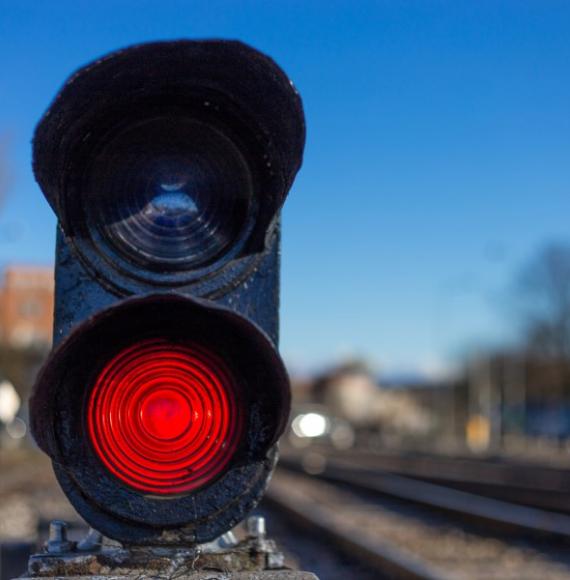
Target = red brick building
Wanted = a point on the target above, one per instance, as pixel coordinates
(26, 306)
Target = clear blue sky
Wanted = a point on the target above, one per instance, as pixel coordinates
(437, 157)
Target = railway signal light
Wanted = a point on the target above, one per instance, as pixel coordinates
(162, 402)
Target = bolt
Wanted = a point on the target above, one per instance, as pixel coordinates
(57, 531)
(256, 527)
(92, 541)
(228, 540)
(57, 539)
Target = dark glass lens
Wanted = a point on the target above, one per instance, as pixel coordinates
(170, 194)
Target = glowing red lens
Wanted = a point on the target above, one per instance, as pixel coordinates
(165, 417)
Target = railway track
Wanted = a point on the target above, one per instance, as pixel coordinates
(495, 514)
(286, 496)
(404, 541)
(540, 486)
(342, 532)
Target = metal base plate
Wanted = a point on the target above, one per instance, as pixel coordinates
(202, 575)
(98, 558)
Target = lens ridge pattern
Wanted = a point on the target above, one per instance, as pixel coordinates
(170, 195)
(165, 417)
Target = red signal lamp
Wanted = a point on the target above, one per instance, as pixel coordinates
(164, 417)
(177, 427)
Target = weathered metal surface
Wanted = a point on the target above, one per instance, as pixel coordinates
(203, 575)
(125, 514)
(241, 89)
(249, 286)
(254, 557)
(57, 541)
(245, 96)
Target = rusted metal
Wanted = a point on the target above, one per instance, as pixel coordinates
(209, 575)
(253, 557)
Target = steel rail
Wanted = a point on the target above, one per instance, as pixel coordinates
(538, 486)
(466, 468)
(493, 512)
(387, 560)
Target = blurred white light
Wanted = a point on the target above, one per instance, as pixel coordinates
(9, 402)
(309, 425)
(16, 429)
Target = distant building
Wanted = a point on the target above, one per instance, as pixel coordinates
(26, 306)
(350, 391)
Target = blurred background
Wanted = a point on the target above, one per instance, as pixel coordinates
(426, 241)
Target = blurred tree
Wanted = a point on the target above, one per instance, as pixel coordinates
(543, 290)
